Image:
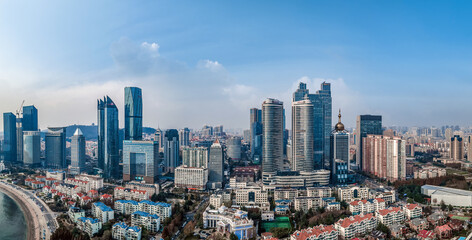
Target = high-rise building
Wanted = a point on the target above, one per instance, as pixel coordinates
(366, 124)
(140, 160)
(9, 137)
(133, 113)
(302, 146)
(340, 165)
(255, 128)
(234, 148)
(272, 142)
(56, 147)
(218, 130)
(31, 148)
(322, 104)
(207, 131)
(215, 166)
(19, 139)
(184, 137)
(77, 152)
(108, 138)
(384, 157)
(159, 138)
(195, 157)
(171, 150)
(457, 148)
(30, 118)
(469, 148)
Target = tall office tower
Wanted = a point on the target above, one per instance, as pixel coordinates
(31, 148)
(247, 136)
(272, 142)
(448, 133)
(207, 131)
(195, 157)
(171, 150)
(322, 104)
(19, 139)
(234, 148)
(457, 148)
(159, 138)
(184, 137)
(218, 130)
(140, 160)
(77, 152)
(366, 124)
(215, 166)
(302, 135)
(255, 128)
(9, 137)
(108, 138)
(30, 118)
(384, 157)
(56, 147)
(133, 113)
(340, 165)
(469, 148)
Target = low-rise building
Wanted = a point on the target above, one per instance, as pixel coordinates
(316, 233)
(333, 206)
(390, 216)
(121, 231)
(444, 231)
(218, 199)
(412, 211)
(191, 177)
(322, 192)
(102, 212)
(58, 175)
(150, 188)
(357, 225)
(386, 194)
(75, 213)
(436, 219)
(252, 196)
(418, 224)
(353, 193)
(429, 172)
(229, 220)
(95, 182)
(285, 193)
(126, 207)
(366, 206)
(149, 221)
(89, 225)
(306, 203)
(267, 216)
(452, 196)
(130, 194)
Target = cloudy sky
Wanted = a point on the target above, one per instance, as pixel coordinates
(208, 62)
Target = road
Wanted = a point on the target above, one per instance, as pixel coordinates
(189, 217)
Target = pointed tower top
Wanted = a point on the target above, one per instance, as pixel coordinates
(339, 126)
(78, 132)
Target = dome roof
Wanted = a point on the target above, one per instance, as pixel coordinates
(339, 126)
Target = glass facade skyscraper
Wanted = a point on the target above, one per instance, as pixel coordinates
(77, 152)
(184, 137)
(255, 129)
(56, 147)
(322, 104)
(9, 137)
(366, 124)
(302, 136)
(30, 118)
(339, 164)
(171, 150)
(272, 139)
(108, 138)
(140, 160)
(31, 148)
(215, 166)
(133, 113)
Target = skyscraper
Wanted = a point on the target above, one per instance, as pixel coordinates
(77, 152)
(133, 113)
(30, 118)
(32, 148)
(171, 150)
(302, 136)
(234, 148)
(215, 166)
(366, 124)
(195, 157)
(384, 157)
(255, 128)
(19, 139)
(272, 143)
(457, 148)
(140, 160)
(218, 130)
(184, 137)
(322, 104)
(56, 147)
(108, 138)
(9, 137)
(340, 166)
(159, 138)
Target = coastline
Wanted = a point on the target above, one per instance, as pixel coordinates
(31, 222)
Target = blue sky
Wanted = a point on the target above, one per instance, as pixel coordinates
(208, 62)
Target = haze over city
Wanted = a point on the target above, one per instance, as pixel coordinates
(208, 62)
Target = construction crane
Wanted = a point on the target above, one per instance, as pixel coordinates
(20, 110)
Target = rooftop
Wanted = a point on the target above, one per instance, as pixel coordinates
(102, 206)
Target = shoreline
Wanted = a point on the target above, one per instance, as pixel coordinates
(31, 224)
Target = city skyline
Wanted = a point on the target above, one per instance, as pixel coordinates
(375, 67)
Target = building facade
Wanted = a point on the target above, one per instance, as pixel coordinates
(140, 160)
(195, 157)
(108, 138)
(56, 147)
(302, 155)
(9, 137)
(133, 113)
(215, 166)
(191, 177)
(272, 143)
(77, 152)
(171, 150)
(366, 124)
(31, 148)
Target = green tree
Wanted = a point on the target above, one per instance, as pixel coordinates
(233, 237)
(450, 207)
(443, 205)
(410, 200)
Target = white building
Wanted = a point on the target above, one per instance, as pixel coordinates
(150, 188)
(358, 225)
(58, 175)
(366, 206)
(130, 194)
(319, 192)
(412, 211)
(307, 203)
(429, 172)
(89, 225)
(218, 199)
(252, 196)
(452, 196)
(229, 220)
(95, 182)
(75, 213)
(316, 233)
(191, 177)
(2, 166)
(268, 216)
(121, 231)
(102, 212)
(149, 221)
(390, 216)
(353, 193)
(285, 194)
(127, 207)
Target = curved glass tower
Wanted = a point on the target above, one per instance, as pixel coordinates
(272, 139)
(133, 113)
(108, 137)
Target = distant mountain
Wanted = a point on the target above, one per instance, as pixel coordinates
(90, 131)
